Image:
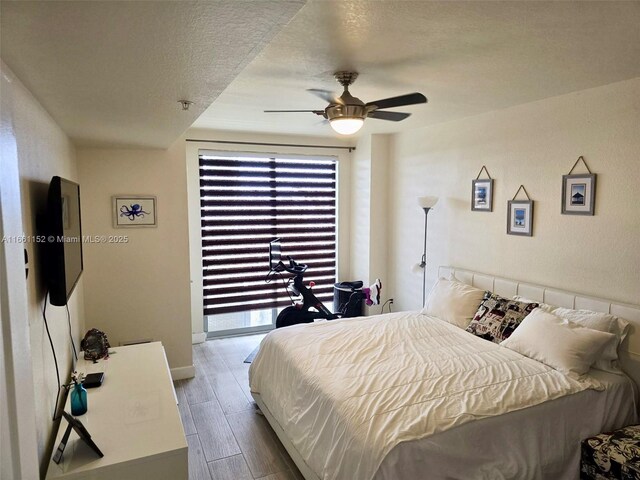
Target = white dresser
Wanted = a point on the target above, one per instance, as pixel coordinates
(133, 418)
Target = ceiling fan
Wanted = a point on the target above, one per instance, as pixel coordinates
(346, 113)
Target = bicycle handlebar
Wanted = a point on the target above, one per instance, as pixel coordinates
(294, 267)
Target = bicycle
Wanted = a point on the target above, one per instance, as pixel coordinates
(299, 312)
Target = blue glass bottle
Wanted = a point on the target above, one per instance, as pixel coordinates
(78, 400)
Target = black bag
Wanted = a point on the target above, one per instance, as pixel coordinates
(353, 307)
(348, 299)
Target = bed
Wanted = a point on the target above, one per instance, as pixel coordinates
(396, 396)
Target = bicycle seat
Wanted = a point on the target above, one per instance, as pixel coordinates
(350, 285)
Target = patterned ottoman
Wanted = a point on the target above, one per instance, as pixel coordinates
(612, 455)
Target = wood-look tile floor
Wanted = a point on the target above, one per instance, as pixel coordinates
(227, 439)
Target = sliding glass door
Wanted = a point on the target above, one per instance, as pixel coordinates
(240, 322)
(248, 200)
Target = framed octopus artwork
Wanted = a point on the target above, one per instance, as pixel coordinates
(134, 211)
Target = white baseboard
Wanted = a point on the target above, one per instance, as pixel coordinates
(198, 338)
(181, 373)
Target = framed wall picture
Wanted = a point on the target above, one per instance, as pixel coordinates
(134, 211)
(520, 217)
(579, 194)
(482, 195)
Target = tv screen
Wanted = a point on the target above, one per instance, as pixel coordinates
(275, 253)
(64, 239)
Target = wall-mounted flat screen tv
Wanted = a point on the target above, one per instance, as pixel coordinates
(63, 260)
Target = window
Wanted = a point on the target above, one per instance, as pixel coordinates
(246, 201)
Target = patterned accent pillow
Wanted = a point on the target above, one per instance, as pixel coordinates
(612, 455)
(497, 317)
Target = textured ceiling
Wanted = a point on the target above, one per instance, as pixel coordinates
(466, 57)
(110, 73)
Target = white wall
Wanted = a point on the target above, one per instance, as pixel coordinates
(379, 209)
(344, 198)
(139, 289)
(532, 144)
(360, 192)
(370, 209)
(43, 151)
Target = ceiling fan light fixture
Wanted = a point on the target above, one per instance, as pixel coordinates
(346, 125)
(346, 113)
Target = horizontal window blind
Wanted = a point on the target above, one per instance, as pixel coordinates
(248, 201)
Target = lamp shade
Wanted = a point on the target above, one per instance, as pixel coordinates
(346, 125)
(417, 268)
(427, 202)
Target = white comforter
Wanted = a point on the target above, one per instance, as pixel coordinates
(347, 391)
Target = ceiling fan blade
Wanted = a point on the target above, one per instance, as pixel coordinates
(408, 99)
(317, 112)
(392, 116)
(326, 95)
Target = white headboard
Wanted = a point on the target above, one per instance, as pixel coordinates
(630, 349)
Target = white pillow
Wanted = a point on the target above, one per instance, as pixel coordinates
(543, 306)
(563, 345)
(603, 322)
(453, 301)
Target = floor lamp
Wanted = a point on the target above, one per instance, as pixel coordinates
(426, 203)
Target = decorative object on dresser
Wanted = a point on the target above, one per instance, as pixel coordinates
(78, 394)
(134, 211)
(482, 192)
(579, 191)
(612, 456)
(520, 215)
(82, 432)
(426, 203)
(95, 345)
